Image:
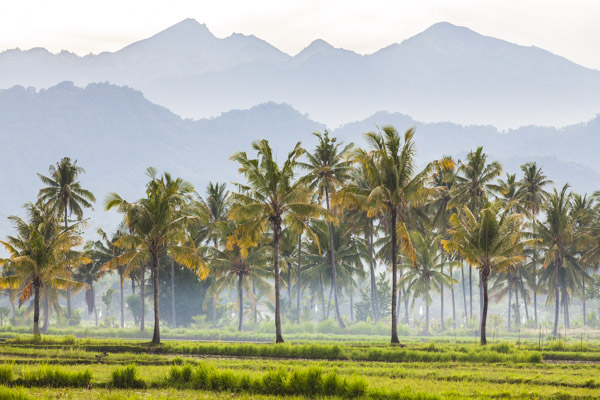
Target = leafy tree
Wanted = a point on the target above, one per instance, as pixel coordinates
(159, 221)
(39, 255)
(270, 196)
(491, 241)
(64, 192)
(391, 167)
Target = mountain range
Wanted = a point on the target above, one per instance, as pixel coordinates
(115, 133)
(446, 73)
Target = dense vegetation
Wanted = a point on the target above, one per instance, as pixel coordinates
(298, 237)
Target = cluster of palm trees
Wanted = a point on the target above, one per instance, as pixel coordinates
(314, 222)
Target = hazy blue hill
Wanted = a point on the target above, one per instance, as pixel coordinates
(446, 73)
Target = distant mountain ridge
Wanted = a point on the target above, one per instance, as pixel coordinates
(116, 133)
(446, 73)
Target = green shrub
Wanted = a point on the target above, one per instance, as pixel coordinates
(51, 376)
(126, 378)
(13, 394)
(6, 374)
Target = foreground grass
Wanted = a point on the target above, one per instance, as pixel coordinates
(354, 370)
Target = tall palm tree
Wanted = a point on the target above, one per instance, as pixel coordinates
(328, 168)
(64, 192)
(39, 255)
(474, 183)
(159, 221)
(271, 196)
(532, 195)
(392, 169)
(490, 241)
(428, 274)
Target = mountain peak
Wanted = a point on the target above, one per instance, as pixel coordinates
(188, 26)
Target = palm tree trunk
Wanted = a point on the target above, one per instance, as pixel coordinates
(241, 300)
(426, 319)
(517, 311)
(255, 305)
(173, 316)
(96, 314)
(470, 293)
(442, 324)
(276, 234)
(566, 305)
(524, 297)
(329, 300)
(484, 283)
(68, 289)
(46, 314)
(583, 285)
(394, 338)
(14, 317)
(142, 307)
(333, 264)
(509, 301)
(36, 308)
(534, 281)
(453, 303)
(298, 285)
(122, 303)
(351, 308)
(322, 296)
(374, 298)
(289, 288)
(464, 290)
(155, 264)
(556, 301)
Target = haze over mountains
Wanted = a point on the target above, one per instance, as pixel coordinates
(446, 73)
(115, 133)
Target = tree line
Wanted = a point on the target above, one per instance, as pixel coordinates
(315, 226)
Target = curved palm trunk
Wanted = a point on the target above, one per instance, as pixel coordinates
(276, 234)
(173, 316)
(155, 265)
(464, 290)
(241, 300)
(46, 314)
(36, 308)
(394, 277)
(485, 273)
(509, 301)
(524, 297)
(142, 306)
(333, 264)
(298, 286)
(122, 303)
(556, 302)
(517, 311)
(68, 289)
(374, 298)
(583, 285)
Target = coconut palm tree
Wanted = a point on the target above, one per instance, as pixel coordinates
(397, 187)
(532, 195)
(39, 255)
(473, 185)
(270, 197)
(64, 192)
(239, 266)
(427, 275)
(159, 221)
(328, 168)
(491, 240)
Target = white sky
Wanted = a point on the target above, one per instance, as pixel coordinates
(567, 28)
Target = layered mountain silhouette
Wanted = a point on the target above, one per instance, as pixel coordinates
(446, 73)
(115, 133)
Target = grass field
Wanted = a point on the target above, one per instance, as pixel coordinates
(70, 368)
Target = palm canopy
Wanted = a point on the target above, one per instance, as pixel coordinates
(474, 181)
(40, 254)
(271, 197)
(158, 223)
(63, 191)
(492, 239)
(397, 188)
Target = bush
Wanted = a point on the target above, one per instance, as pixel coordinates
(126, 378)
(14, 394)
(49, 376)
(6, 374)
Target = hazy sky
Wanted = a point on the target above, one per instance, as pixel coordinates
(568, 28)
